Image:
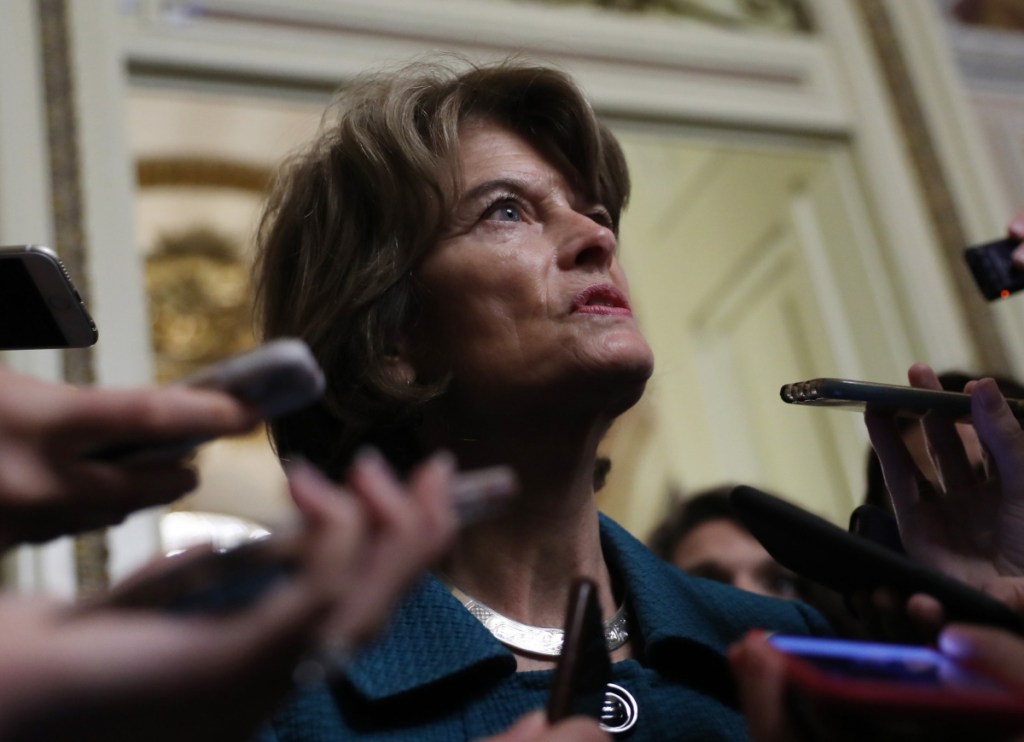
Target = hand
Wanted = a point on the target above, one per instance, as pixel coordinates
(142, 675)
(388, 534)
(760, 674)
(1016, 230)
(535, 728)
(120, 673)
(991, 650)
(920, 618)
(48, 485)
(972, 526)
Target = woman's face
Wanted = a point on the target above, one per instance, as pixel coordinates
(524, 293)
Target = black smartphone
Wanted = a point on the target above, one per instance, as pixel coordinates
(993, 271)
(821, 551)
(39, 305)
(905, 401)
(223, 580)
(584, 666)
(215, 581)
(278, 377)
(843, 689)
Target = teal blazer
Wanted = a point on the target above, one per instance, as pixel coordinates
(438, 674)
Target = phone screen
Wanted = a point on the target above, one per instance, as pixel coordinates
(25, 319)
(908, 666)
(843, 690)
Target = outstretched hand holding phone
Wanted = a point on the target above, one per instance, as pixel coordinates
(72, 459)
(49, 486)
(972, 526)
(125, 671)
(798, 689)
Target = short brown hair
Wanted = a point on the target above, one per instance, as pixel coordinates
(350, 217)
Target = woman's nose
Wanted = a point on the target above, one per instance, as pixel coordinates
(586, 243)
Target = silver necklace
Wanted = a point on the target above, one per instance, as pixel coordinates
(619, 710)
(535, 640)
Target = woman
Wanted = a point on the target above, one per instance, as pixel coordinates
(447, 247)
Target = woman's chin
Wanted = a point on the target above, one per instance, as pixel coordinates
(618, 378)
(628, 357)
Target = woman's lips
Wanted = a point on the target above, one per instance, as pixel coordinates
(601, 299)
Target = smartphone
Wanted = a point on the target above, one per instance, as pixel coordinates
(224, 580)
(213, 582)
(847, 689)
(904, 401)
(848, 563)
(279, 377)
(993, 271)
(584, 666)
(39, 305)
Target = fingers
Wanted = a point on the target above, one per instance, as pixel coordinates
(760, 675)
(410, 528)
(945, 446)
(1000, 432)
(92, 418)
(534, 728)
(926, 615)
(373, 481)
(948, 454)
(576, 729)
(898, 467)
(374, 536)
(1016, 228)
(1009, 590)
(530, 727)
(994, 650)
(131, 487)
(1017, 256)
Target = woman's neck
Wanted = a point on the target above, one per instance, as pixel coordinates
(522, 561)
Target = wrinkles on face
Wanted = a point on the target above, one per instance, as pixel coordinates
(499, 288)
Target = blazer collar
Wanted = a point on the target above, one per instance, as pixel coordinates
(433, 639)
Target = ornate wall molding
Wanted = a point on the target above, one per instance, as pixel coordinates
(91, 553)
(933, 183)
(785, 15)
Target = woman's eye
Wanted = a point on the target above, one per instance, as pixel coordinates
(505, 211)
(602, 217)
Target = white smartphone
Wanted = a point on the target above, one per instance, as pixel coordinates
(279, 377)
(39, 305)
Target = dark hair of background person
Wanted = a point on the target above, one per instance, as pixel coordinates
(713, 504)
(952, 381)
(687, 514)
(350, 217)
